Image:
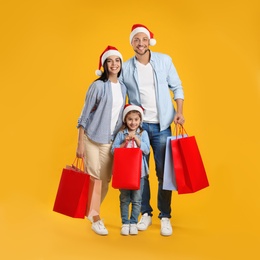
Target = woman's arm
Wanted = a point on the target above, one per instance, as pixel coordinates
(80, 153)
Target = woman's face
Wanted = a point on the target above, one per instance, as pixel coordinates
(113, 64)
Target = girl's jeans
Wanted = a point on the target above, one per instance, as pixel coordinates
(134, 198)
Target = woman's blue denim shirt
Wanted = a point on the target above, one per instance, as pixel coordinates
(96, 114)
(166, 78)
(145, 146)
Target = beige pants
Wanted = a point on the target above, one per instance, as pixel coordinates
(99, 163)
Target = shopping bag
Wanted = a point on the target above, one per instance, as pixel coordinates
(73, 191)
(169, 179)
(127, 166)
(188, 165)
(94, 197)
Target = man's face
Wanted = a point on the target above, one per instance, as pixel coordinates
(140, 43)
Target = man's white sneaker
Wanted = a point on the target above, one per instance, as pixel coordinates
(133, 229)
(166, 227)
(125, 229)
(144, 222)
(99, 228)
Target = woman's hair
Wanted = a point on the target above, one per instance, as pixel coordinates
(105, 74)
(124, 126)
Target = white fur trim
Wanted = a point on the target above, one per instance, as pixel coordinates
(98, 72)
(138, 30)
(131, 108)
(110, 53)
(152, 42)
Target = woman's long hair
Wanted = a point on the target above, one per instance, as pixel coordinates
(105, 75)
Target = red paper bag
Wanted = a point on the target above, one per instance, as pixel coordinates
(188, 165)
(94, 197)
(127, 166)
(72, 195)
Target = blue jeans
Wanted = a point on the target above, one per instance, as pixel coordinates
(133, 197)
(158, 144)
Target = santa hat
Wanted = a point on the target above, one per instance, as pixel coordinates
(129, 108)
(137, 28)
(109, 51)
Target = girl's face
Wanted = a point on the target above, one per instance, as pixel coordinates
(113, 64)
(133, 120)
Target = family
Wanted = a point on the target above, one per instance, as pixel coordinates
(106, 122)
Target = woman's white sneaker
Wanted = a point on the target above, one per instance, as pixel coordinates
(99, 228)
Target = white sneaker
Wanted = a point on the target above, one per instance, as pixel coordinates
(125, 230)
(133, 229)
(166, 227)
(144, 222)
(99, 228)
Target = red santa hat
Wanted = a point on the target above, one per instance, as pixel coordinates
(137, 28)
(129, 107)
(109, 51)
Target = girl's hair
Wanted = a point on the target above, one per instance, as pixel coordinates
(124, 126)
(105, 74)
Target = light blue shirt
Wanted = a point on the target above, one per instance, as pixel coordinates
(145, 146)
(165, 77)
(96, 114)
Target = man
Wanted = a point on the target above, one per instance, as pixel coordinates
(148, 77)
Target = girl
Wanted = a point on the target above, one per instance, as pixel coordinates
(100, 120)
(132, 131)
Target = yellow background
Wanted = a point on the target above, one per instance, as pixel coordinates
(49, 53)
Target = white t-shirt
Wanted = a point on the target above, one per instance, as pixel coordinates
(117, 104)
(147, 92)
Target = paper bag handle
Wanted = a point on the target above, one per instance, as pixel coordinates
(132, 141)
(180, 129)
(78, 164)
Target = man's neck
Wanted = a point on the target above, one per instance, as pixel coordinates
(144, 59)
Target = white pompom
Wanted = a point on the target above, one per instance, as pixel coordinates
(152, 42)
(98, 72)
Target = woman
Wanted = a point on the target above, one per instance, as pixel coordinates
(100, 120)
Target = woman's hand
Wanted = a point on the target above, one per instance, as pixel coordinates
(80, 153)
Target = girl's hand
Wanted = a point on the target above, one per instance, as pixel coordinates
(127, 138)
(132, 136)
(137, 140)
